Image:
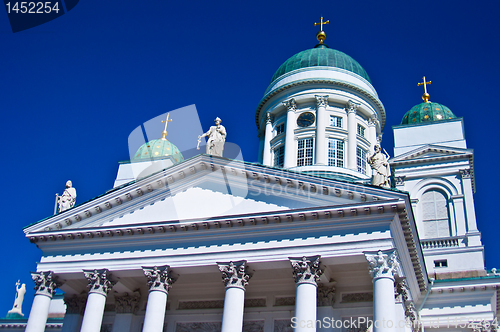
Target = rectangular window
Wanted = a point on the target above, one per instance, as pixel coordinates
(279, 156)
(361, 160)
(335, 121)
(441, 263)
(305, 152)
(280, 128)
(335, 152)
(361, 130)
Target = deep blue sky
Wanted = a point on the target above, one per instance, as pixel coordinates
(73, 89)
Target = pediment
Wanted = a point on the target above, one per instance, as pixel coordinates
(432, 152)
(205, 187)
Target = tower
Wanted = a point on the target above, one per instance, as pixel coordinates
(320, 115)
(432, 162)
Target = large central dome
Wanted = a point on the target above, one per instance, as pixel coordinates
(321, 55)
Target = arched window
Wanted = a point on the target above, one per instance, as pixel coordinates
(435, 214)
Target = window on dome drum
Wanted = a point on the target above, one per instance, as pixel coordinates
(435, 214)
(280, 128)
(335, 152)
(279, 156)
(361, 130)
(335, 121)
(305, 152)
(441, 263)
(361, 160)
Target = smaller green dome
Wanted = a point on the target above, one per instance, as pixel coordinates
(427, 112)
(156, 149)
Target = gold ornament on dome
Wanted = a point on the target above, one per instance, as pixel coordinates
(164, 132)
(321, 35)
(425, 96)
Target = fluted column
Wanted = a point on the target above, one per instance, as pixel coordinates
(290, 150)
(383, 266)
(159, 281)
(126, 306)
(75, 305)
(45, 285)
(235, 278)
(351, 135)
(306, 272)
(266, 159)
(321, 123)
(99, 285)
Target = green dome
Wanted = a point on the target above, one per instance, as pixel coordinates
(427, 112)
(159, 148)
(321, 55)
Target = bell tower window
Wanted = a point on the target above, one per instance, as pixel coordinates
(435, 214)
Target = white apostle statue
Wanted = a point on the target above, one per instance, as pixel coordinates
(216, 138)
(18, 302)
(381, 171)
(68, 198)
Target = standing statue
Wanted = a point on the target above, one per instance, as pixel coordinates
(68, 198)
(18, 302)
(216, 138)
(381, 171)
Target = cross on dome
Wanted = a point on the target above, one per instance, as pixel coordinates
(164, 132)
(425, 96)
(321, 35)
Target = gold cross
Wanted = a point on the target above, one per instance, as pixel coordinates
(164, 132)
(425, 96)
(321, 23)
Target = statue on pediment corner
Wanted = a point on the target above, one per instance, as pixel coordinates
(216, 138)
(381, 171)
(68, 198)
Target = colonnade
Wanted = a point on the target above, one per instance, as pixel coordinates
(307, 270)
(321, 141)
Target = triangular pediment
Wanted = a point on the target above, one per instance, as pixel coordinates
(205, 187)
(432, 152)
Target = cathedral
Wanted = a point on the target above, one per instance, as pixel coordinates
(325, 232)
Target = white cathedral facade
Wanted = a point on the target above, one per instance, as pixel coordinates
(300, 241)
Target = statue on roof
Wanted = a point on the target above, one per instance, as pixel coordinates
(381, 171)
(216, 138)
(18, 302)
(68, 198)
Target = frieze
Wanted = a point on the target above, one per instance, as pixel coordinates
(283, 325)
(284, 301)
(357, 297)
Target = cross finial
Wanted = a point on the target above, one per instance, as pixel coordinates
(321, 35)
(425, 96)
(164, 132)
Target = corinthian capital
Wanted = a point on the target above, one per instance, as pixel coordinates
(45, 283)
(321, 101)
(383, 264)
(351, 106)
(159, 278)
(75, 304)
(99, 281)
(127, 304)
(290, 104)
(268, 117)
(306, 269)
(234, 274)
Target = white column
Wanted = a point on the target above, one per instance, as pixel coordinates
(266, 159)
(351, 135)
(235, 278)
(458, 207)
(45, 285)
(159, 282)
(99, 286)
(290, 150)
(469, 200)
(321, 123)
(383, 267)
(126, 306)
(306, 272)
(372, 132)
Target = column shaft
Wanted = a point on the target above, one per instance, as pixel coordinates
(155, 311)
(94, 311)
(383, 305)
(321, 122)
(232, 317)
(290, 150)
(352, 140)
(266, 159)
(372, 132)
(39, 313)
(305, 307)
